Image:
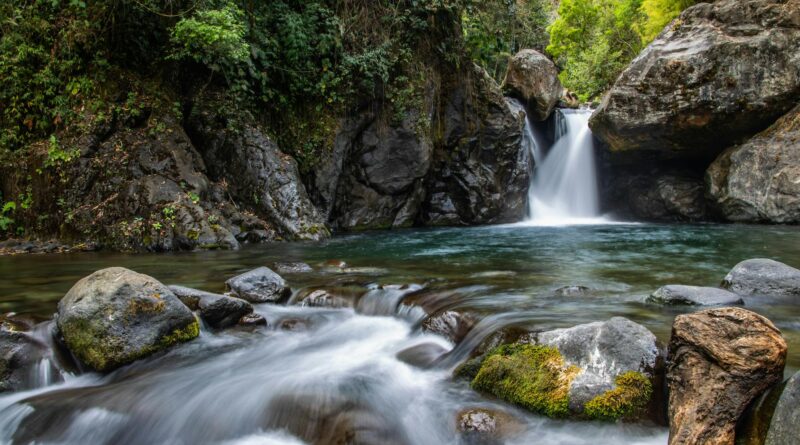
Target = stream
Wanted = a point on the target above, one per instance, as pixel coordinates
(312, 370)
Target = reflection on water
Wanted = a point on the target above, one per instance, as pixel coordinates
(340, 371)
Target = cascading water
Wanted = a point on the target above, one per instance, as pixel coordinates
(564, 182)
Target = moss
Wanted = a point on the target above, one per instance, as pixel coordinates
(469, 369)
(626, 401)
(180, 335)
(531, 376)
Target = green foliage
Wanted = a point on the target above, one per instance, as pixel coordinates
(6, 222)
(494, 30)
(627, 400)
(659, 13)
(532, 376)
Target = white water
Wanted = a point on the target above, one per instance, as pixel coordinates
(564, 189)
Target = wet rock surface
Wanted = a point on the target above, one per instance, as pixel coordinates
(720, 73)
(486, 426)
(260, 285)
(533, 78)
(292, 267)
(759, 181)
(719, 361)
(423, 355)
(20, 352)
(675, 294)
(784, 428)
(116, 316)
(451, 325)
(763, 277)
(219, 311)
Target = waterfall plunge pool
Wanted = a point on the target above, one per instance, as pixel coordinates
(272, 385)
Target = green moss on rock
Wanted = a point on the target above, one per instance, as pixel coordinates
(532, 376)
(627, 400)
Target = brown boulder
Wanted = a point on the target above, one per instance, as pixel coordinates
(533, 78)
(719, 361)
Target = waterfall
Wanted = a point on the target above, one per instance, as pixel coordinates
(563, 187)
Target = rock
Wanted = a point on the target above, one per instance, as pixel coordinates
(292, 267)
(116, 316)
(326, 298)
(603, 370)
(694, 295)
(253, 319)
(533, 78)
(763, 277)
(719, 361)
(572, 291)
(260, 285)
(569, 100)
(755, 422)
(759, 181)
(255, 169)
(721, 72)
(451, 325)
(784, 428)
(219, 311)
(486, 426)
(422, 356)
(19, 354)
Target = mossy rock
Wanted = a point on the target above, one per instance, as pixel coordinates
(531, 376)
(627, 401)
(116, 316)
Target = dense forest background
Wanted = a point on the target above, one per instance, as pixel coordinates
(295, 64)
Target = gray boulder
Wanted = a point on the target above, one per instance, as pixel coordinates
(19, 354)
(603, 351)
(675, 294)
(758, 181)
(723, 71)
(116, 316)
(533, 78)
(784, 428)
(260, 285)
(763, 277)
(219, 311)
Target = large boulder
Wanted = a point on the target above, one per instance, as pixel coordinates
(219, 311)
(763, 277)
(723, 71)
(784, 428)
(719, 361)
(533, 78)
(603, 370)
(676, 294)
(116, 316)
(759, 181)
(260, 285)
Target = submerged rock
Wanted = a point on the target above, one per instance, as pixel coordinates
(329, 298)
(603, 370)
(572, 291)
(723, 71)
(292, 267)
(219, 311)
(116, 316)
(533, 78)
(260, 285)
(486, 426)
(694, 295)
(19, 354)
(451, 325)
(719, 361)
(784, 428)
(423, 355)
(763, 277)
(759, 181)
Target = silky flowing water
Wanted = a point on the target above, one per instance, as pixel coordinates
(311, 368)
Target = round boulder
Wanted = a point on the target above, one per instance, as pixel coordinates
(676, 294)
(116, 316)
(763, 277)
(719, 361)
(260, 285)
(219, 311)
(533, 78)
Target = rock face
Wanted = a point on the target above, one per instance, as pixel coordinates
(785, 426)
(454, 159)
(116, 316)
(451, 325)
(693, 295)
(257, 172)
(603, 370)
(533, 78)
(759, 181)
(219, 311)
(763, 277)
(260, 285)
(719, 361)
(656, 195)
(720, 73)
